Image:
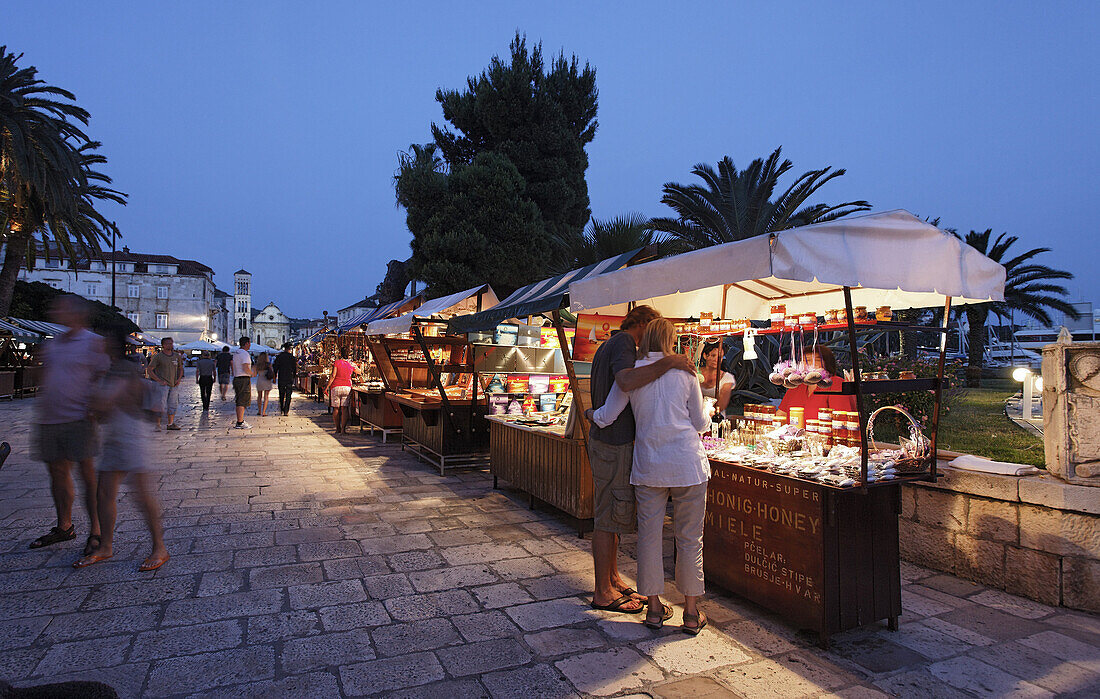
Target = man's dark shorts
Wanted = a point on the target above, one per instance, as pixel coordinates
(70, 441)
(225, 378)
(615, 508)
(242, 386)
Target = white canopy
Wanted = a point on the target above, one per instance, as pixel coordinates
(891, 258)
(202, 346)
(446, 306)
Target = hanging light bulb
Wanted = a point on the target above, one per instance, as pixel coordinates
(748, 341)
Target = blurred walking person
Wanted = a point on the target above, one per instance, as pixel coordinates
(166, 371)
(286, 372)
(204, 377)
(65, 433)
(264, 376)
(224, 362)
(119, 407)
(242, 381)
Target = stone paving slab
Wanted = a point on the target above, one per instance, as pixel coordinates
(306, 564)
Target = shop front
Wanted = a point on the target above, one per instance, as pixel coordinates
(428, 380)
(537, 392)
(803, 519)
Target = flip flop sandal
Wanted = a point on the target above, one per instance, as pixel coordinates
(55, 536)
(700, 619)
(5, 450)
(148, 566)
(630, 592)
(617, 606)
(657, 625)
(90, 559)
(89, 548)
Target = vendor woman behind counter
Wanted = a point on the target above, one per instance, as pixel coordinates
(807, 396)
(715, 383)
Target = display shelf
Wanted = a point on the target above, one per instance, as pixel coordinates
(862, 326)
(403, 342)
(875, 386)
(418, 364)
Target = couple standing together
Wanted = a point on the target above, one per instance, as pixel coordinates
(644, 449)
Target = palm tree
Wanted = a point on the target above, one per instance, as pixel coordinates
(734, 205)
(1028, 289)
(604, 239)
(42, 172)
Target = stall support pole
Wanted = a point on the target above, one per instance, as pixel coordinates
(433, 370)
(854, 348)
(578, 401)
(939, 388)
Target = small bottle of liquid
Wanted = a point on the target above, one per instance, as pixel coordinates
(840, 428)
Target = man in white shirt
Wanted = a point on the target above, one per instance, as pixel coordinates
(242, 381)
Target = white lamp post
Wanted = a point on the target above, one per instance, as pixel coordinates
(1031, 383)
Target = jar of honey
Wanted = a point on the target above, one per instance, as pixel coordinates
(860, 313)
(840, 434)
(830, 316)
(884, 313)
(797, 418)
(807, 320)
(778, 314)
(852, 428)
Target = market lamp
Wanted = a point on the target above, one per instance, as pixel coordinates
(1031, 383)
(748, 342)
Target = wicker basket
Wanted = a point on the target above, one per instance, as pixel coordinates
(916, 451)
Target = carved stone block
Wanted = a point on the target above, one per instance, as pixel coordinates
(1071, 411)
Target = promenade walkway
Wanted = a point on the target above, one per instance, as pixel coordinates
(306, 565)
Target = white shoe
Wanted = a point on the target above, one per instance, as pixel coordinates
(242, 426)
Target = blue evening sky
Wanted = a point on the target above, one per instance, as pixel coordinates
(265, 134)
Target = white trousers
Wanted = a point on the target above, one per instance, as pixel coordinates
(689, 505)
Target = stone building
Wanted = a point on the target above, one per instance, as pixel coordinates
(270, 326)
(358, 308)
(163, 295)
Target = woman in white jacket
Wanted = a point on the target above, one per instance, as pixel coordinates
(669, 462)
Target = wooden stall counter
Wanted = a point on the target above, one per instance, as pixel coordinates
(377, 413)
(544, 463)
(825, 558)
(446, 435)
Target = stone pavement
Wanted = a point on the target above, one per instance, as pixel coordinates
(305, 565)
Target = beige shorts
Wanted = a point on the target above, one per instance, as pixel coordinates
(338, 396)
(614, 508)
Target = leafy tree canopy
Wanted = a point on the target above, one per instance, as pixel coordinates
(482, 226)
(733, 204)
(32, 300)
(519, 129)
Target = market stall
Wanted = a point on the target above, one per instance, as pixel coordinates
(804, 525)
(15, 358)
(350, 336)
(428, 376)
(536, 391)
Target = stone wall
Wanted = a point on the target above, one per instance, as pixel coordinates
(1034, 536)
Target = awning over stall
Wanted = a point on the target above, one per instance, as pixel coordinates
(40, 326)
(891, 258)
(463, 302)
(540, 297)
(17, 333)
(388, 311)
(201, 345)
(147, 339)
